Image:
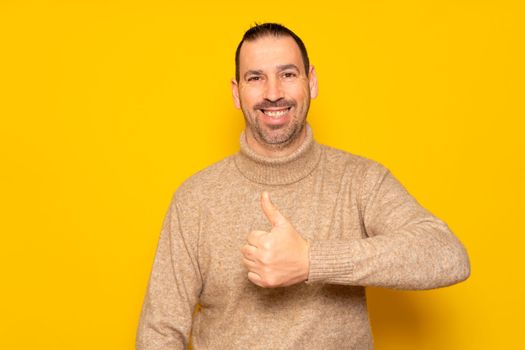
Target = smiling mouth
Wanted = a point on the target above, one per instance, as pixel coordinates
(275, 113)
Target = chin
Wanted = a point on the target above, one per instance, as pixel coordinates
(281, 137)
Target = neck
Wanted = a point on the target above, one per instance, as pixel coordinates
(278, 170)
(275, 150)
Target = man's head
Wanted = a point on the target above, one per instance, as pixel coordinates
(273, 87)
(275, 30)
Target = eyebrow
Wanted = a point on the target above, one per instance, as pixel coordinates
(279, 68)
(253, 72)
(287, 66)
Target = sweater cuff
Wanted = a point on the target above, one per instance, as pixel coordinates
(330, 262)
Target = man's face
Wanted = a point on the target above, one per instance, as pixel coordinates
(273, 91)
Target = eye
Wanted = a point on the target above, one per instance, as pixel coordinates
(254, 78)
(289, 75)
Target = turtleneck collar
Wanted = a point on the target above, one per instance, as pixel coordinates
(281, 170)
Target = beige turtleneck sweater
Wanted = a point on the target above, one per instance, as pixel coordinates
(363, 227)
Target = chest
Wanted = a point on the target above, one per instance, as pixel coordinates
(318, 211)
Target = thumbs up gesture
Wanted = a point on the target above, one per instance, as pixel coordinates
(278, 258)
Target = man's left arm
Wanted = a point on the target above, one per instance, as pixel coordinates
(407, 247)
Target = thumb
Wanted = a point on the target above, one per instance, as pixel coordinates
(270, 211)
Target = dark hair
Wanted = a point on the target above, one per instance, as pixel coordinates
(267, 29)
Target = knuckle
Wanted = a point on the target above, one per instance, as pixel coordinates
(267, 244)
(266, 259)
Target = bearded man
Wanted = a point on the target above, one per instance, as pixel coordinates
(277, 242)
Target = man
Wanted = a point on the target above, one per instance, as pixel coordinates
(278, 242)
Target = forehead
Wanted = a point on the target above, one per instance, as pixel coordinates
(268, 52)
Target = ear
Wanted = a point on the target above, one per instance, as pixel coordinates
(312, 77)
(235, 94)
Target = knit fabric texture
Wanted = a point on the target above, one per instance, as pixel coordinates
(363, 227)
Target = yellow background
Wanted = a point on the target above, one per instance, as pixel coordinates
(107, 106)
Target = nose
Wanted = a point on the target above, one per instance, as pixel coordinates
(273, 91)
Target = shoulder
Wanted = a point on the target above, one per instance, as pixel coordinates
(207, 181)
(359, 166)
(363, 175)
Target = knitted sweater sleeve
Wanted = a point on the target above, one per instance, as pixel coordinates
(406, 247)
(173, 288)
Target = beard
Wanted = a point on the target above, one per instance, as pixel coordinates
(276, 137)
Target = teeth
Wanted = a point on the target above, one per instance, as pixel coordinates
(276, 114)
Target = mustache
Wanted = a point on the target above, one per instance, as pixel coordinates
(275, 104)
